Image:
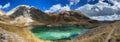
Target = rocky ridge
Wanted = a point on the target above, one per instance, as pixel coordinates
(27, 15)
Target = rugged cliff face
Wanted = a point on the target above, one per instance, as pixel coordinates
(27, 11)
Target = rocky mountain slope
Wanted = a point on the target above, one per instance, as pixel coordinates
(12, 33)
(103, 33)
(6, 36)
(28, 11)
(25, 14)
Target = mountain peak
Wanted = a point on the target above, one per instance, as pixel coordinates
(18, 8)
(18, 11)
(27, 11)
(27, 6)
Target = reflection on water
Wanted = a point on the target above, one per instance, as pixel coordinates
(57, 32)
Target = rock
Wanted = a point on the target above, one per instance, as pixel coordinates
(6, 36)
(12, 33)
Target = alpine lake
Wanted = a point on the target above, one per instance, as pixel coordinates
(63, 32)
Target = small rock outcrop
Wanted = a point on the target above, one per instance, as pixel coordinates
(6, 36)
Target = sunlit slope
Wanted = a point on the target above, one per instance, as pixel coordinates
(20, 31)
(104, 33)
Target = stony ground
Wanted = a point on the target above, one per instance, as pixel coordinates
(103, 33)
(6, 36)
(11, 33)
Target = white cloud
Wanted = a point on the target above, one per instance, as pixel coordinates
(101, 9)
(65, 8)
(106, 18)
(58, 8)
(0, 6)
(54, 8)
(5, 6)
(72, 2)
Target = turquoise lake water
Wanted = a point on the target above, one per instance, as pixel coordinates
(57, 32)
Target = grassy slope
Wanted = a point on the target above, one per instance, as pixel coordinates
(100, 35)
(104, 35)
(21, 31)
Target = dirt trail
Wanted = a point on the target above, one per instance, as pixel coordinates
(109, 35)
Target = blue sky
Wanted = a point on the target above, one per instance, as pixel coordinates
(43, 4)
